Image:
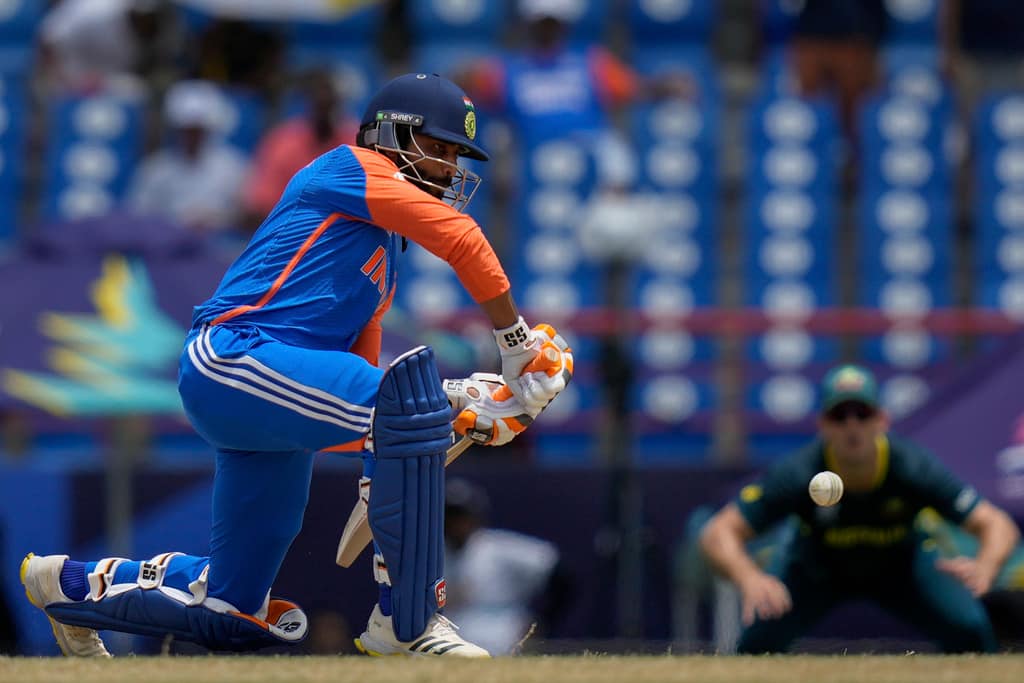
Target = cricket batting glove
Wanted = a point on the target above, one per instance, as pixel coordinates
(486, 410)
(535, 363)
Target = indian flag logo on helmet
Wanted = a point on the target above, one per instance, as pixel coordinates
(470, 117)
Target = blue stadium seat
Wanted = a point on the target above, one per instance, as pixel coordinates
(783, 120)
(247, 118)
(914, 73)
(589, 22)
(358, 26)
(789, 269)
(428, 286)
(906, 272)
(777, 18)
(95, 145)
(912, 21)
(1003, 294)
(673, 422)
(457, 20)
(779, 410)
(900, 120)
(567, 433)
(19, 21)
(693, 61)
(562, 163)
(672, 21)
(999, 225)
(776, 74)
(13, 117)
(998, 204)
(999, 121)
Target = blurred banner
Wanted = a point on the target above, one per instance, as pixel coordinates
(308, 10)
(94, 314)
(976, 425)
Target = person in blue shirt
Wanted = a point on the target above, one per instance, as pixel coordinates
(281, 364)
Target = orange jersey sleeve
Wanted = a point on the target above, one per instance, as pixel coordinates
(399, 206)
(617, 83)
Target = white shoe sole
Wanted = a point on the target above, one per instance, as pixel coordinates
(368, 646)
(58, 628)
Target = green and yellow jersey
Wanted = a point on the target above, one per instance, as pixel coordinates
(866, 529)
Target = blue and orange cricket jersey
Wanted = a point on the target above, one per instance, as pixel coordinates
(320, 271)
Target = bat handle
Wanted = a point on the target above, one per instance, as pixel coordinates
(457, 449)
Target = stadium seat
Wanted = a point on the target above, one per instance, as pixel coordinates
(429, 288)
(567, 433)
(95, 145)
(694, 61)
(671, 22)
(457, 21)
(13, 124)
(789, 267)
(588, 21)
(19, 22)
(776, 19)
(912, 21)
(355, 27)
(246, 118)
(998, 205)
(673, 423)
(903, 145)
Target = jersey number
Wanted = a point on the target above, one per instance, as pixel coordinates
(376, 268)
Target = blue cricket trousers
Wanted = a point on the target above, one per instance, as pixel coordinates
(267, 407)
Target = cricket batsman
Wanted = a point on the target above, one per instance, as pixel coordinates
(281, 363)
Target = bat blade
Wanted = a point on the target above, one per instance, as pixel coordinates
(357, 535)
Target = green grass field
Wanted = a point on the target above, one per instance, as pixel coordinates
(573, 669)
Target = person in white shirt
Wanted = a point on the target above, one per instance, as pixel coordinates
(91, 45)
(495, 576)
(197, 180)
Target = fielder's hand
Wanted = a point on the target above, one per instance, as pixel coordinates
(535, 386)
(488, 413)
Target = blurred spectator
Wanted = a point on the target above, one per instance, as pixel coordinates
(329, 634)
(550, 88)
(241, 53)
(835, 46)
(865, 547)
(87, 45)
(197, 179)
(983, 46)
(294, 143)
(499, 581)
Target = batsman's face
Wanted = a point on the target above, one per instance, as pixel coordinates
(438, 162)
(851, 429)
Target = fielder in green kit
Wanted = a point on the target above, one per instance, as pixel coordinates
(865, 546)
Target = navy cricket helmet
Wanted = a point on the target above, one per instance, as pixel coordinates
(428, 103)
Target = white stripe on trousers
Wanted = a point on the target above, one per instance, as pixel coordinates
(344, 405)
(238, 378)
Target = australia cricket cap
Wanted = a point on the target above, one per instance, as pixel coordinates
(849, 383)
(430, 104)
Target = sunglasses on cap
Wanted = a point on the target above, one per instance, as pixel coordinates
(860, 411)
